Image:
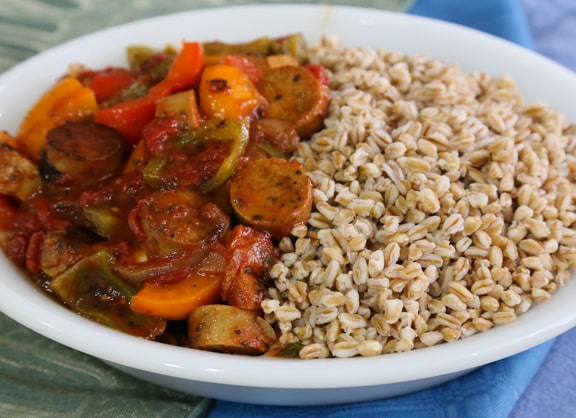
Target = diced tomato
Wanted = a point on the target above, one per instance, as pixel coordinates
(33, 252)
(249, 248)
(320, 73)
(247, 65)
(156, 134)
(251, 253)
(186, 168)
(191, 169)
(41, 215)
(8, 212)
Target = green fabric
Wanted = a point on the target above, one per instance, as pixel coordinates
(27, 27)
(41, 378)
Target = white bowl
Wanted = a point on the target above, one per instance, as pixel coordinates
(280, 381)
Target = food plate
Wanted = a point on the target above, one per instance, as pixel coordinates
(280, 381)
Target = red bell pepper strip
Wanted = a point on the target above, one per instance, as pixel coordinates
(184, 72)
(109, 82)
(129, 117)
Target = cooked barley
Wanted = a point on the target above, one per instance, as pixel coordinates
(443, 206)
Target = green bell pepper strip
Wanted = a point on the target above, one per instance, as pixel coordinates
(91, 288)
(237, 133)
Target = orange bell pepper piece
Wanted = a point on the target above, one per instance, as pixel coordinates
(184, 72)
(226, 92)
(67, 100)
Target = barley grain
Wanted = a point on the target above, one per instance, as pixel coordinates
(442, 206)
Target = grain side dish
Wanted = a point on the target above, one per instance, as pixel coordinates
(444, 205)
(271, 198)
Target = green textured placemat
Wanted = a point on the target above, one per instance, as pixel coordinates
(30, 26)
(41, 378)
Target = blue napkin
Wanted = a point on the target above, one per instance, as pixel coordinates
(493, 390)
(503, 18)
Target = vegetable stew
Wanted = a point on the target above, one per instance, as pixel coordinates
(151, 198)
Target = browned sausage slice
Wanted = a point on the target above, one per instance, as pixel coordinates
(229, 329)
(171, 221)
(86, 152)
(296, 95)
(272, 194)
(280, 133)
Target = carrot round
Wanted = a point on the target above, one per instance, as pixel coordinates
(175, 301)
(272, 194)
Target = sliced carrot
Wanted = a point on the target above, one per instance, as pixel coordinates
(272, 194)
(67, 100)
(175, 301)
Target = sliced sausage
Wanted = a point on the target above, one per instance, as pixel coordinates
(86, 152)
(280, 133)
(296, 95)
(272, 194)
(177, 220)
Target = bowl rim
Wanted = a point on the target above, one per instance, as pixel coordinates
(59, 324)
